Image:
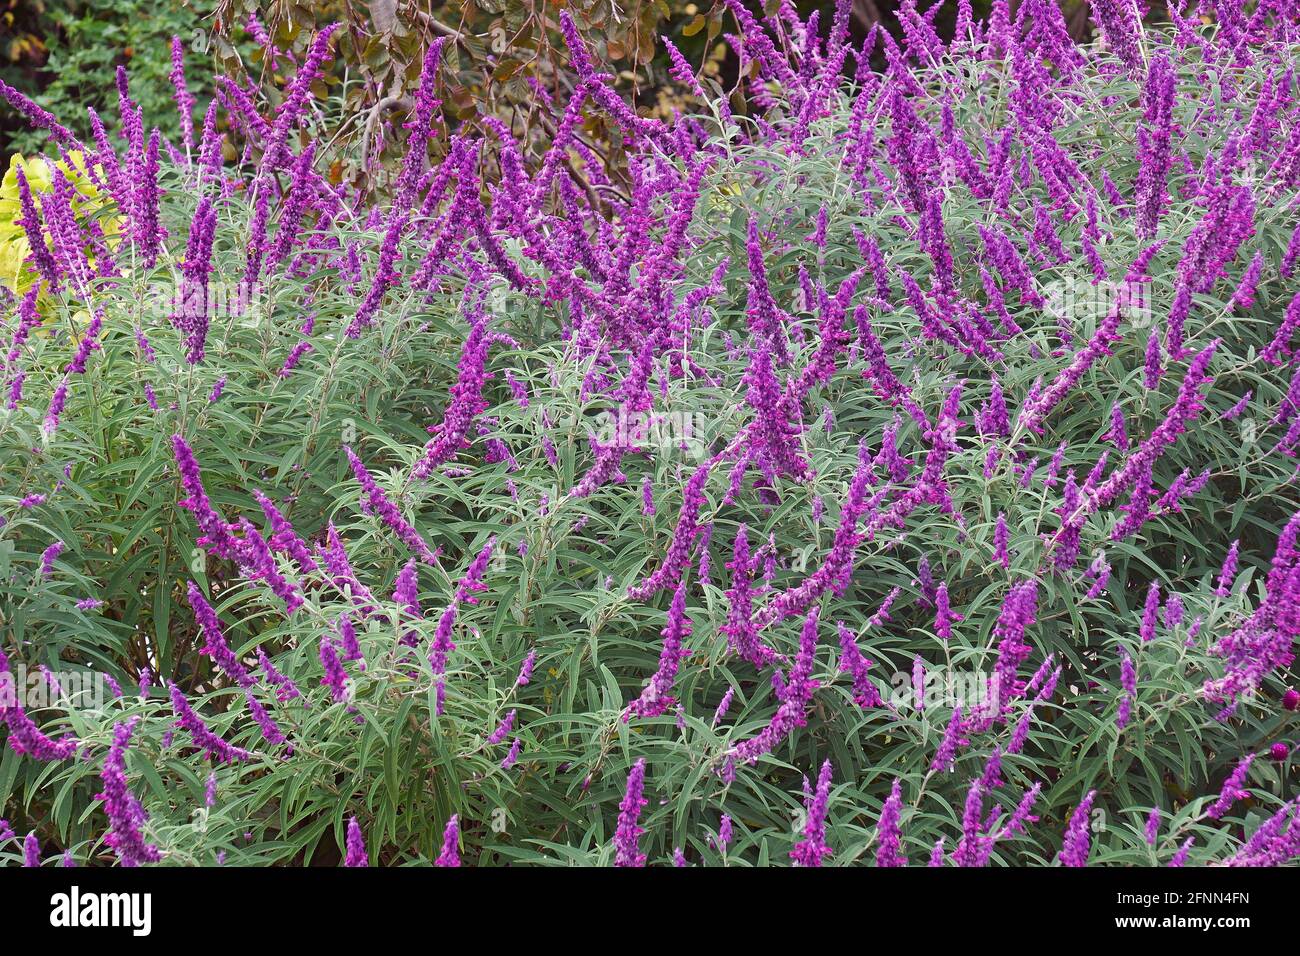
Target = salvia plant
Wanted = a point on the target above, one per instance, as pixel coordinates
(903, 472)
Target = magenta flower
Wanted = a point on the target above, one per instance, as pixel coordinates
(526, 669)
(975, 847)
(626, 851)
(377, 502)
(1228, 573)
(1001, 538)
(1128, 681)
(812, 849)
(1279, 349)
(334, 558)
(334, 677)
(442, 643)
(1244, 297)
(724, 834)
(285, 689)
(512, 756)
(386, 277)
(1232, 789)
(466, 402)
(856, 666)
(216, 535)
(837, 567)
(48, 557)
(678, 555)
(126, 817)
(1036, 410)
(796, 698)
(32, 225)
(284, 539)
(944, 616)
(24, 736)
(742, 633)
(952, 739)
(1074, 852)
(1152, 829)
(1180, 858)
(1151, 370)
(502, 729)
(35, 116)
(472, 582)
(766, 319)
(215, 646)
(1153, 140)
(1017, 614)
(1150, 611)
(271, 731)
(213, 746)
(889, 838)
(450, 855)
(657, 697)
(356, 846)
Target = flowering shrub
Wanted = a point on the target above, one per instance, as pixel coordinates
(903, 473)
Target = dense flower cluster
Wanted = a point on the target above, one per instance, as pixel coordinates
(1014, 406)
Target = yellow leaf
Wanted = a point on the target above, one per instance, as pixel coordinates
(88, 201)
(14, 275)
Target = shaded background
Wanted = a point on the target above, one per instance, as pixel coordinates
(500, 52)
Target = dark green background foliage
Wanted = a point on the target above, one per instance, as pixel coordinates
(84, 43)
(66, 54)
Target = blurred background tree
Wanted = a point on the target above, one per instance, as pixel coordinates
(502, 58)
(65, 54)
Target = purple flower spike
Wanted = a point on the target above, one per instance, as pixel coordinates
(1074, 852)
(450, 855)
(1232, 791)
(626, 851)
(214, 747)
(356, 846)
(657, 696)
(378, 503)
(889, 838)
(125, 815)
(812, 849)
